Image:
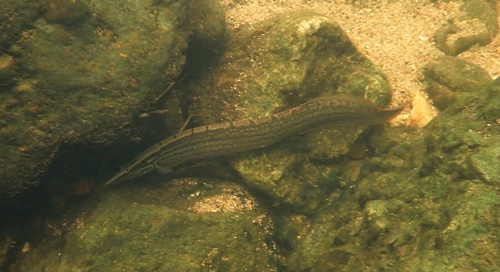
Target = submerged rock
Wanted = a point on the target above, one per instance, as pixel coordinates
(275, 65)
(179, 225)
(16, 17)
(475, 25)
(424, 196)
(84, 73)
(7, 70)
(66, 12)
(447, 75)
(481, 164)
(185, 225)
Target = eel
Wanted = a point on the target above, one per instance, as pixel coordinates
(248, 134)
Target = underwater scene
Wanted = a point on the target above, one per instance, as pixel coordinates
(249, 135)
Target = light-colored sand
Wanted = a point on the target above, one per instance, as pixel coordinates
(398, 36)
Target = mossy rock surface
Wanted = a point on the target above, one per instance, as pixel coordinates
(86, 70)
(185, 225)
(424, 196)
(422, 199)
(447, 75)
(476, 24)
(17, 16)
(275, 65)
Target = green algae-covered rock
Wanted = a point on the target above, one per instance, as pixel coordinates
(423, 199)
(183, 226)
(447, 75)
(490, 111)
(426, 199)
(85, 70)
(475, 25)
(17, 16)
(275, 65)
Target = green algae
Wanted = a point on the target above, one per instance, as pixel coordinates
(155, 228)
(447, 75)
(426, 200)
(275, 65)
(475, 25)
(85, 71)
(421, 200)
(481, 163)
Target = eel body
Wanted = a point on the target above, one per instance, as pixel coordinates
(248, 134)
